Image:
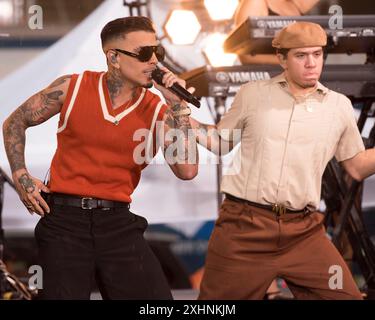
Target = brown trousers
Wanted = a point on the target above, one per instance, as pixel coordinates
(250, 247)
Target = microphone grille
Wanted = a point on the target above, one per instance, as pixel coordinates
(157, 75)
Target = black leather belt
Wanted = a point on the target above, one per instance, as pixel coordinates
(85, 203)
(277, 208)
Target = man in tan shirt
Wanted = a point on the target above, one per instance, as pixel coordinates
(268, 226)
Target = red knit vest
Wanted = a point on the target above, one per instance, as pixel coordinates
(96, 144)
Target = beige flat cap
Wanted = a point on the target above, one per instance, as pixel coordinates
(299, 35)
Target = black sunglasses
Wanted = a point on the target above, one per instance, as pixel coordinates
(145, 53)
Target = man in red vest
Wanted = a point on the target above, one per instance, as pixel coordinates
(86, 229)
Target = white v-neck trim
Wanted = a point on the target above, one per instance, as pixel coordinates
(71, 103)
(104, 106)
(149, 144)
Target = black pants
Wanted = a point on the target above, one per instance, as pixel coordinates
(76, 246)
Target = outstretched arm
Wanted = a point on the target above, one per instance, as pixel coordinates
(361, 166)
(34, 111)
(208, 136)
(221, 138)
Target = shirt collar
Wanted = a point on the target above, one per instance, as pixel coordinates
(284, 84)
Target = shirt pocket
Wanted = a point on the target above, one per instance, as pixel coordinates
(309, 128)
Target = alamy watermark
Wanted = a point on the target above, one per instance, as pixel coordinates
(336, 280)
(180, 147)
(36, 278)
(336, 20)
(35, 21)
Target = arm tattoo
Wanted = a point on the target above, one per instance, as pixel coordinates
(177, 122)
(34, 111)
(46, 103)
(27, 184)
(59, 81)
(14, 140)
(182, 124)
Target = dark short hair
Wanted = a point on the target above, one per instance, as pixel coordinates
(283, 52)
(122, 26)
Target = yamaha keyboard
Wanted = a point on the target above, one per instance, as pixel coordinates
(356, 81)
(254, 36)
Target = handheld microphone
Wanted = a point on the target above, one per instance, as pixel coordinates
(181, 92)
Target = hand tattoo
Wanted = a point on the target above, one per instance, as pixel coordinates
(27, 183)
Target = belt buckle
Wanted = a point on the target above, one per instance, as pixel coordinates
(279, 209)
(306, 211)
(85, 204)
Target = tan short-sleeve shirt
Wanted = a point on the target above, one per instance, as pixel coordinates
(286, 142)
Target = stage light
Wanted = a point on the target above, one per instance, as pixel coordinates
(221, 9)
(215, 53)
(182, 27)
(6, 11)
